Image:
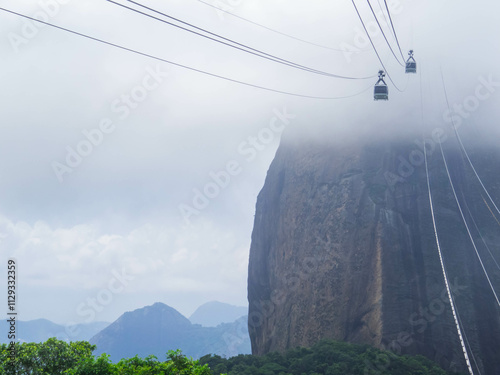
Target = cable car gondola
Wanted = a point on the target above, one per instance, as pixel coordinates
(381, 91)
(411, 64)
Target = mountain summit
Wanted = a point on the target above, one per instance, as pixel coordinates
(158, 328)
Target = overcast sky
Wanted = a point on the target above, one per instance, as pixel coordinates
(106, 222)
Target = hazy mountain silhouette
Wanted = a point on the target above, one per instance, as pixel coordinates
(40, 330)
(158, 328)
(213, 313)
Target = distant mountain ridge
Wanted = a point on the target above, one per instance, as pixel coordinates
(39, 330)
(158, 328)
(213, 313)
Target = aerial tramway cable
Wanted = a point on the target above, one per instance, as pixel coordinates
(474, 169)
(393, 29)
(467, 341)
(373, 45)
(438, 244)
(383, 14)
(482, 238)
(383, 34)
(226, 41)
(443, 268)
(491, 211)
(271, 29)
(181, 65)
(460, 206)
(477, 227)
(466, 225)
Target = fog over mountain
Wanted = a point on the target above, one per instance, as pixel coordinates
(111, 237)
(344, 247)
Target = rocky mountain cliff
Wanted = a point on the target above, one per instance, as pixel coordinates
(343, 247)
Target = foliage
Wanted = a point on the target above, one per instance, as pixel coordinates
(56, 357)
(328, 358)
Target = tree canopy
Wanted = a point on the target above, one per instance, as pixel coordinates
(325, 358)
(55, 357)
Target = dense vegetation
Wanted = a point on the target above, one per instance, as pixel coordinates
(58, 357)
(324, 358)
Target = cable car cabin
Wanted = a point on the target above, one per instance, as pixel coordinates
(411, 64)
(381, 91)
(411, 67)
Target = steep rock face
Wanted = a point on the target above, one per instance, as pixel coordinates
(343, 247)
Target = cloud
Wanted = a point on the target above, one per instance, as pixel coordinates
(118, 209)
(199, 258)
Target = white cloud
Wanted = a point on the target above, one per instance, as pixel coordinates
(119, 208)
(198, 258)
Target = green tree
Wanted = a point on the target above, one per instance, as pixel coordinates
(50, 358)
(55, 357)
(326, 357)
